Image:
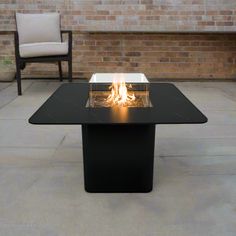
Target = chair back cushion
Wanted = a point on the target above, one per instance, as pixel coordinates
(37, 28)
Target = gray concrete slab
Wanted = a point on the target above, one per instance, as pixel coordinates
(9, 93)
(19, 133)
(195, 146)
(196, 131)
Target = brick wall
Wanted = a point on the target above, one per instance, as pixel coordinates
(159, 55)
(130, 15)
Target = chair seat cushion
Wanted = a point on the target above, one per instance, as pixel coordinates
(43, 49)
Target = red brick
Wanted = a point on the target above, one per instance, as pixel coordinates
(226, 12)
(133, 54)
(227, 23)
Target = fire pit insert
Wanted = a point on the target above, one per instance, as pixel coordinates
(118, 90)
(118, 135)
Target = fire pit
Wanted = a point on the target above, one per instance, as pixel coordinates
(118, 114)
(119, 90)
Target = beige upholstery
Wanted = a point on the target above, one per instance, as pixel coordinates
(37, 28)
(43, 49)
(40, 35)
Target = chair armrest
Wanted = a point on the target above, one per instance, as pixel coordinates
(66, 31)
(69, 32)
(16, 41)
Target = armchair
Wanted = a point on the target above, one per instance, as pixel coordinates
(39, 39)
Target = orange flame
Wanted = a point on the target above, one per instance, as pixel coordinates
(119, 94)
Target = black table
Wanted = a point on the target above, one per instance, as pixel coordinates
(118, 143)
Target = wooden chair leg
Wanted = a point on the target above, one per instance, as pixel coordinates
(60, 71)
(70, 70)
(18, 78)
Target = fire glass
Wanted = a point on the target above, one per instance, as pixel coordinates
(118, 90)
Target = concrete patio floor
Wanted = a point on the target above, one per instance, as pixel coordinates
(41, 173)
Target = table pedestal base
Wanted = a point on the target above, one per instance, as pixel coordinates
(118, 158)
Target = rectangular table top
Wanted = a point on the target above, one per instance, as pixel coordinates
(68, 106)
